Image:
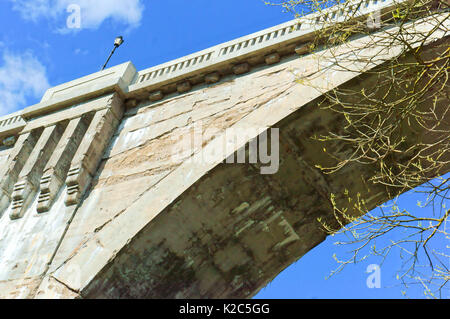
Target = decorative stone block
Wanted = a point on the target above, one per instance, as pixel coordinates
(31, 173)
(155, 96)
(131, 103)
(212, 78)
(21, 198)
(184, 87)
(77, 181)
(241, 68)
(58, 166)
(9, 141)
(89, 154)
(272, 58)
(50, 185)
(9, 174)
(303, 48)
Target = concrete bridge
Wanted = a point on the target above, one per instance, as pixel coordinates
(104, 186)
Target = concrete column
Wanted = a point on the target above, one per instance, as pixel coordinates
(9, 173)
(55, 171)
(28, 182)
(89, 154)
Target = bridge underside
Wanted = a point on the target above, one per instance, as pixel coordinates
(235, 229)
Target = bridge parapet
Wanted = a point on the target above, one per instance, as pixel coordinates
(264, 46)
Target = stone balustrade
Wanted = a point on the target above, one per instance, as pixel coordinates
(9, 126)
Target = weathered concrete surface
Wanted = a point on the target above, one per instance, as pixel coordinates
(152, 224)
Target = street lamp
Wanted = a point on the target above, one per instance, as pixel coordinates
(117, 43)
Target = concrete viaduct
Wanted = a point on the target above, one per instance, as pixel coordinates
(104, 192)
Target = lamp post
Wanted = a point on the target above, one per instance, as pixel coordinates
(117, 43)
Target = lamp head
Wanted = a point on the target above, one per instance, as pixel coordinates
(118, 41)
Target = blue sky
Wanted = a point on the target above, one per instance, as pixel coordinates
(38, 51)
(310, 276)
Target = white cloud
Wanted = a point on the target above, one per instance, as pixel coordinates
(79, 51)
(93, 12)
(22, 76)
